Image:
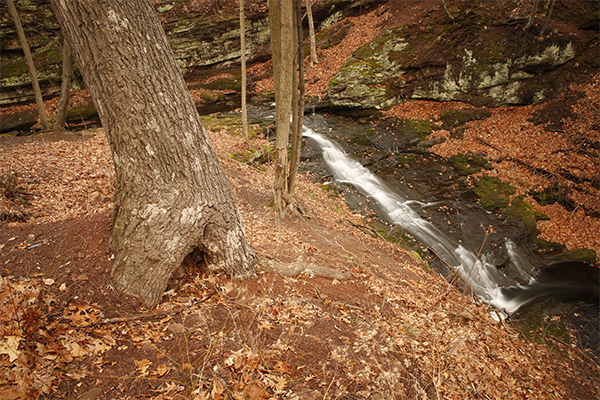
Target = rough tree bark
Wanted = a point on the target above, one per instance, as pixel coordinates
(172, 196)
(65, 90)
(29, 59)
(283, 51)
(243, 66)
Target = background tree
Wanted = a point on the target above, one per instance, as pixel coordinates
(29, 59)
(281, 16)
(311, 34)
(172, 196)
(552, 2)
(297, 101)
(65, 90)
(532, 15)
(243, 73)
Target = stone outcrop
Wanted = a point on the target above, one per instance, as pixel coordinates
(199, 40)
(469, 61)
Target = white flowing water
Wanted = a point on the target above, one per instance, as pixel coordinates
(480, 274)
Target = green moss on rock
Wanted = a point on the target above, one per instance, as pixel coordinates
(210, 96)
(82, 113)
(454, 118)
(493, 193)
(226, 84)
(585, 255)
(523, 211)
(467, 164)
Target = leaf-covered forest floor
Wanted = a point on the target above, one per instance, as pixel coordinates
(393, 330)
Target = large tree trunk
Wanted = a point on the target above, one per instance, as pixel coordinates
(65, 90)
(243, 66)
(29, 59)
(172, 195)
(283, 50)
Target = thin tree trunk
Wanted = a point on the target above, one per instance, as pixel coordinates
(530, 22)
(447, 11)
(65, 90)
(243, 64)
(311, 33)
(29, 59)
(282, 35)
(172, 196)
(548, 17)
(298, 107)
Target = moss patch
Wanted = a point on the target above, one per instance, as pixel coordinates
(332, 190)
(211, 96)
(230, 123)
(454, 118)
(402, 159)
(554, 195)
(538, 327)
(333, 36)
(226, 84)
(493, 193)
(82, 113)
(467, 164)
(585, 255)
(524, 212)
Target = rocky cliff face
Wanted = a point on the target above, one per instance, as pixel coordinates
(482, 57)
(200, 39)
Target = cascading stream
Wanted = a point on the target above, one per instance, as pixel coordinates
(480, 274)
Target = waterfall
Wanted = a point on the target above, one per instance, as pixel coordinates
(479, 272)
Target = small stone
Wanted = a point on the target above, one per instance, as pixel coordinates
(92, 394)
(176, 328)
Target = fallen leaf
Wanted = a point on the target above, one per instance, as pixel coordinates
(143, 366)
(11, 347)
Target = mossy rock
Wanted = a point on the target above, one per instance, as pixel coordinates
(547, 246)
(210, 96)
(268, 95)
(467, 164)
(332, 190)
(493, 193)
(403, 159)
(226, 84)
(231, 123)
(535, 325)
(421, 127)
(268, 154)
(454, 118)
(333, 36)
(554, 195)
(584, 255)
(246, 156)
(523, 211)
(26, 5)
(82, 113)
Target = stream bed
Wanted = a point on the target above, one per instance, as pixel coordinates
(417, 198)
